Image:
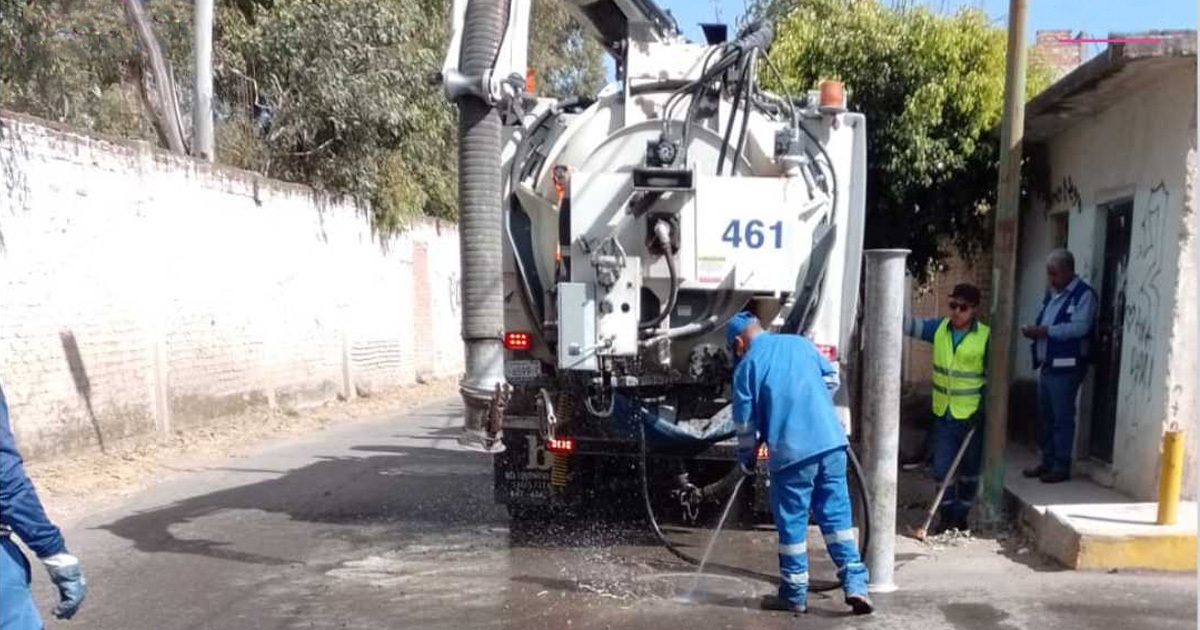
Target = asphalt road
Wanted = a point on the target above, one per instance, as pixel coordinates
(384, 524)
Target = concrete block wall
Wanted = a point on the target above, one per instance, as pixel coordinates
(141, 293)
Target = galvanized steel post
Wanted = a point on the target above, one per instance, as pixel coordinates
(883, 344)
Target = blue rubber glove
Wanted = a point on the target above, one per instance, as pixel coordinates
(67, 575)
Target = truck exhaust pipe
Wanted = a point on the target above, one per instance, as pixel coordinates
(484, 388)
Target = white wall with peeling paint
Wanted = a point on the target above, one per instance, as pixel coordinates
(1137, 148)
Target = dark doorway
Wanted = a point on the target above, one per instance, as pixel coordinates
(1119, 222)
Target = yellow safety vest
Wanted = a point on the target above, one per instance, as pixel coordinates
(958, 373)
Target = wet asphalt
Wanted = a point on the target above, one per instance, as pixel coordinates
(385, 524)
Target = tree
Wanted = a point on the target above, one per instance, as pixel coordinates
(75, 61)
(565, 61)
(334, 93)
(160, 95)
(351, 107)
(931, 87)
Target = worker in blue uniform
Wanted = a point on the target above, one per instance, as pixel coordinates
(782, 395)
(21, 514)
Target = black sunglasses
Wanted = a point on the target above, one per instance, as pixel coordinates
(961, 306)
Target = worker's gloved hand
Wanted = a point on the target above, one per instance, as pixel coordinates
(67, 575)
(746, 470)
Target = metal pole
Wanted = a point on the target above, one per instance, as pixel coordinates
(202, 113)
(883, 345)
(1170, 477)
(1004, 267)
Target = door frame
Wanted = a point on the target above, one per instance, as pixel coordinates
(1089, 402)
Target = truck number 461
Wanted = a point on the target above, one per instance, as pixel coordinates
(752, 234)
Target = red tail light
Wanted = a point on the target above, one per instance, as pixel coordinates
(517, 340)
(829, 352)
(762, 451)
(560, 445)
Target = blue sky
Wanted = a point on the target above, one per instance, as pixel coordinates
(1095, 17)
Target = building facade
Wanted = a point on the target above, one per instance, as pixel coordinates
(1111, 151)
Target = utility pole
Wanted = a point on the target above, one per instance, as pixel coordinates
(202, 110)
(1004, 265)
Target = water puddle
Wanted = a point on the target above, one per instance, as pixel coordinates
(704, 588)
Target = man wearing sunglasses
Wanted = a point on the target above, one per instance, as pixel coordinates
(960, 343)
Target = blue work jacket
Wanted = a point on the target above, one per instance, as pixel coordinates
(20, 508)
(782, 394)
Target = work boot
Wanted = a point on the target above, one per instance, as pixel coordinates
(1055, 476)
(860, 604)
(1034, 473)
(775, 602)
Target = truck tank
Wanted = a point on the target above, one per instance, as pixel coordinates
(633, 224)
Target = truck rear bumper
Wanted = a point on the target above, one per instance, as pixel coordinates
(532, 473)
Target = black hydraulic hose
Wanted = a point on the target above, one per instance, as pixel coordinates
(741, 145)
(737, 96)
(832, 171)
(672, 297)
(658, 532)
(643, 470)
(864, 531)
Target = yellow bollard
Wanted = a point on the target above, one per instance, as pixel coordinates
(1170, 477)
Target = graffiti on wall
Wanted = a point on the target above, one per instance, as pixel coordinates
(1143, 300)
(455, 294)
(1066, 193)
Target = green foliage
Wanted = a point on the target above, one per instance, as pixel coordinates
(74, 61)
(345, 82)
(931, 87)
(564, 60)
(352, 109)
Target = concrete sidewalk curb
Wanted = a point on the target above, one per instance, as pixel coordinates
(1098, 537)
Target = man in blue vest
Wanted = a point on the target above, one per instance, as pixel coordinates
(1061, 349)
(782, 396)
(21, 514)
(960, 358)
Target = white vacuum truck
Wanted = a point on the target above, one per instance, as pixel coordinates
(606, 239)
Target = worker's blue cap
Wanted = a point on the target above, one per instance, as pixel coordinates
(737, 326)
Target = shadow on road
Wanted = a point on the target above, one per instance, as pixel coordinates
(411, 491)
(409, 485)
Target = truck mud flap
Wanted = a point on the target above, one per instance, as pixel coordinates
(526, 473)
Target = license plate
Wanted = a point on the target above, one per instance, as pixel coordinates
(522, 370)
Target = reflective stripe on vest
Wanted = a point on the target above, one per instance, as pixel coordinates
(958, 373)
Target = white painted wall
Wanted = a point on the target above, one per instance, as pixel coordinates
(194, 291)
(1139, 147)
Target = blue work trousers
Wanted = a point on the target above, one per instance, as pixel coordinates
(17, 608)
(818, 482)
(1056, 400)
(948, 436)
